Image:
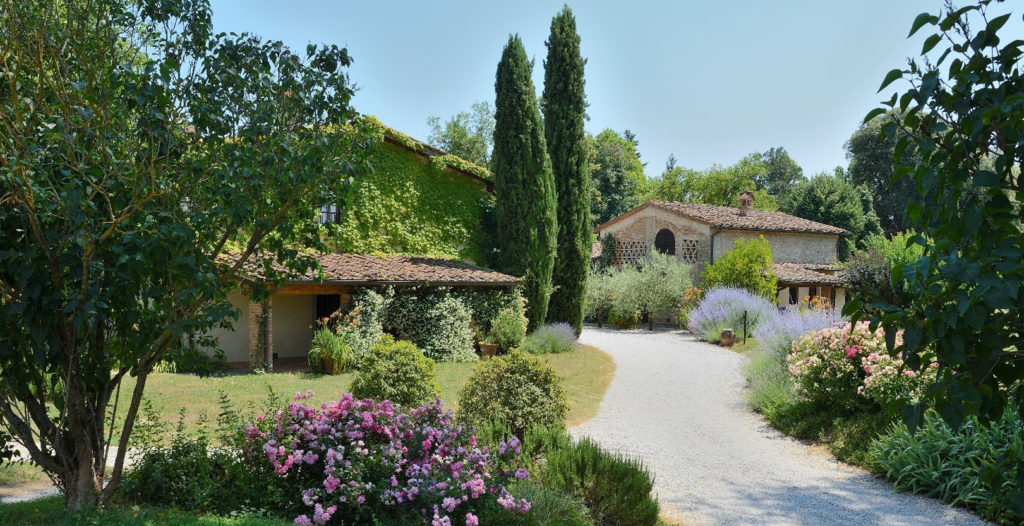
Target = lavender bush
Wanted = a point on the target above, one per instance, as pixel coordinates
(553, 337)
(723, 308)
(782, 328)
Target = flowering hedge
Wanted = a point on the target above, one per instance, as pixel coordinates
(782, 328)
(849, 367)
(723, 308)
(370, 463)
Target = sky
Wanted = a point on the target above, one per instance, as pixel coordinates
(709, 82)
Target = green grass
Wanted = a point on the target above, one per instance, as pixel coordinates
(51, 511)
(586, 373)
(744, 348)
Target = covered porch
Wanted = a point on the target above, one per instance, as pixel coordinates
(801, 284)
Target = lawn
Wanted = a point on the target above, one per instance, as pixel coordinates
(586, 373)
(50, 511)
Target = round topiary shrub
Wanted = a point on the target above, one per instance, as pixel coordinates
(396, 371)
(518, 389)
(508, 328)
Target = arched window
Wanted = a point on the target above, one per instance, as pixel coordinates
(665, 242)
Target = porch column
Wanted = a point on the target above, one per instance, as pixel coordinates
(268, 349)
(261, 335)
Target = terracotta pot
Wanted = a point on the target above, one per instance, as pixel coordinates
(728, 338)
(488, 350)
(329, 366)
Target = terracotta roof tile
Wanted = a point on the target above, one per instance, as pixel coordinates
(730, 218)
(366, 269)
(807, 273)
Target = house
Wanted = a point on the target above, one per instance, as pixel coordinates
(805, 252)
(413, 220)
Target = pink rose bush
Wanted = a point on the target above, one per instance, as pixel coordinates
(366, 462)
(849, 367)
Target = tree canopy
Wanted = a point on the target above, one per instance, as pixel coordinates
(616, 174)
(749, 265)
(125, 179)
(872, 164)
(835, 201)
(467, 134)
(780, 172)
(717, 185)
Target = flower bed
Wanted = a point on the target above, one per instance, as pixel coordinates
(723, 308)
(373, 463)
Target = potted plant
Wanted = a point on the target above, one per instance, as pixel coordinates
(485, 343)
(330, 352)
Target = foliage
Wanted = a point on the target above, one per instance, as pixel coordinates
(404, 205)
(623, 315)
(748, 265)
(691, 298)
(618, 178)
(51, 512)
(366, 320)
(659, 286)
(717, 185)
(564, 106)
(189, 359)
(446, 335)
(964, 120)
(396, 371)
(607, 257)
(371, 463)
(330, 351)
(551, 338)
(548, 507)
(468, 134)
(872, 165)
(834, 201)
(127, 173)
(781, 173)
(978, 465)
(438, 320)
(508, 328)
(723, 308)
(777, 334)
(771, 384)
(600, 295)
(616, 489)
(524, 186)
(518, 389)
(849, 368)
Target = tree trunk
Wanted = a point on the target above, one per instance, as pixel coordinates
(83, 485)
(599, 316)
(650, 321)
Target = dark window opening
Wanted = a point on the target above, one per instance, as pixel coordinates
(327, 304)
(812, 292)
(665, 242)
(794, 295)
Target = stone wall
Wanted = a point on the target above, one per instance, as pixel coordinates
(640, 229)
(787, 247)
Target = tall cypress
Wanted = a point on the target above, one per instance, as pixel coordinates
(523, 184)
(564, 105)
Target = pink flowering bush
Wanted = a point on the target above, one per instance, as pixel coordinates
(849, 368)
(366, 462)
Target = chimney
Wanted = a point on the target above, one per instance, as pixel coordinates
(746, 202)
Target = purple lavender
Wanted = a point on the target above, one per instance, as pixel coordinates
(723, 308)
(784, 327)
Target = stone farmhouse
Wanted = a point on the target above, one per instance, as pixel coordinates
(805, 252)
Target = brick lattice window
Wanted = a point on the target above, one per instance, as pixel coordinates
(689, 250)
(630, 252)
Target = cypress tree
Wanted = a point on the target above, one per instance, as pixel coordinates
(564, 107)
(523, 184)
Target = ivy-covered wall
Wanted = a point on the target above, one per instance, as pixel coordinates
(412, 204)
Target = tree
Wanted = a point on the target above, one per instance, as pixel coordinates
(715, 186)
(834, 201)
(617, 176)
(468, 134)
(963, 115)
(661, 285)
(749, 265)
(125, 177)
(871, 153)
(564, 105)
(781, 172)
(524, 187)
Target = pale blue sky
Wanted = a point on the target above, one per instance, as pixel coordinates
(708, 81)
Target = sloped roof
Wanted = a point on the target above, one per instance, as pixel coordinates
(730, 219)
(363, 269)
(806, 274)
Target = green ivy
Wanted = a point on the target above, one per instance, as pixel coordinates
(409, 205)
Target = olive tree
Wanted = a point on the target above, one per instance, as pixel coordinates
(138, 150)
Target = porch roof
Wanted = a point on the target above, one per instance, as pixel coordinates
(807, 274)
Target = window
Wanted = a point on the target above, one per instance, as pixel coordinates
(689, 250)
(330, 214)
(630, 252)
(665, 242)
(794, 296)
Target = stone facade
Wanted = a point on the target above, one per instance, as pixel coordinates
(787, 247)
(636, 235)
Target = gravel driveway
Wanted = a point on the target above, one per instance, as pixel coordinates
(680, 405)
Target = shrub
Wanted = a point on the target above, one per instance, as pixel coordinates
(691, 298)
(749, 265)
(508, 328)
(660, 285)
(396, 371)
(188, 359)
(373, 463)
(330, 352)
(777, 334)
(366, 325)
(623, 316)
(446, 335)
(849, 368)
(723, 308)
(771, 384)
(980, 465)
(549, 507)
(616, 489)
(517, 389)
(551, 338)
(600, 296)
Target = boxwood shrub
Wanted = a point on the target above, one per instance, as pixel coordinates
(518, 389)
(396, 371)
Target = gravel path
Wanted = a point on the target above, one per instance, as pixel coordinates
(680, 405)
